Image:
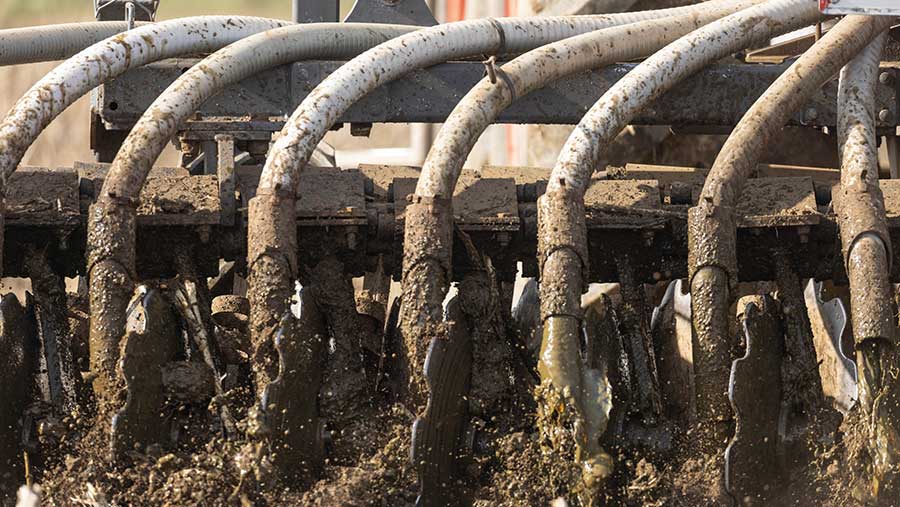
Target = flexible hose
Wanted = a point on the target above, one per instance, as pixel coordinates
(227, 66)
(711, 225)
(168, 112)
(770, 113)
(534, 70)
(661, 72)
(110, 231)
(53, 42)
(106, 60)
(422, 284)
(430, 46)
(859, 206)
(856, 116)
(272, 229)
(562, 207)
(272, 233)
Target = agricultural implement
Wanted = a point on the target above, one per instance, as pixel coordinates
(239, 307)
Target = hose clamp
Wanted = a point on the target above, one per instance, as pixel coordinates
(501, 48)
(562, 226)
(428, 232)
(860, 212)
(712, 240)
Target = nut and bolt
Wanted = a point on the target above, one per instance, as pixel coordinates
(810, 115)
(352, 240)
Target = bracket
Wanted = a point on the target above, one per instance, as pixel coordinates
(115, 10)
(404, 12)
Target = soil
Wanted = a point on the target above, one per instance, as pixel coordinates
(511, 462)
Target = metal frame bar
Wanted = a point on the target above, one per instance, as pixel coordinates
(715, 97)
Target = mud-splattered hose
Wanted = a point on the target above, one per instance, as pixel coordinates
(561, 208)
(93, 66)
(108, 59)
(540, 67)
(859, 206)
(426, 47)
(67, 83)
(476, 111)
(711, 225)
(47, 43)
(183, 97)
(271, 213)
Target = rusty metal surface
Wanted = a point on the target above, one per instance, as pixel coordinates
(194, 200)
(98, 170)
(334, 197)
(50, 198)
(891, 191)
(332, 193)
(383, 176)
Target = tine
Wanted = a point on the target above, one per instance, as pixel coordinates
(638, 345)
(16, 363)
(150, 342)
(755, 391)
(436, 434)
(838, 371)
(288, 405)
